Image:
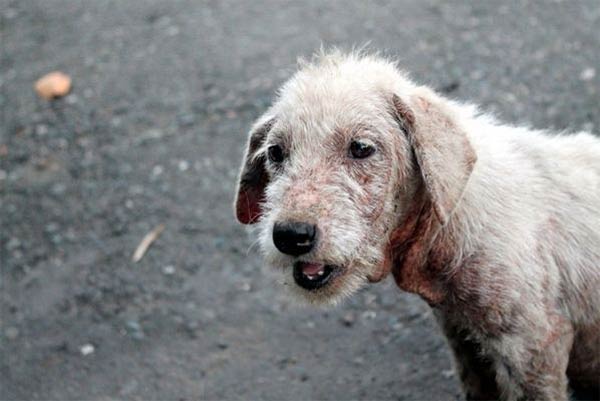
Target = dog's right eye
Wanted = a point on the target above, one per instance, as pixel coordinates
(360, 150)
(275, 153)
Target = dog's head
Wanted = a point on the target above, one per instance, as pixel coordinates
(333, 170)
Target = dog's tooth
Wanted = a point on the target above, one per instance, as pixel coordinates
(320, 272)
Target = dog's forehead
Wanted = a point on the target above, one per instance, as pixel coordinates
(336, 95)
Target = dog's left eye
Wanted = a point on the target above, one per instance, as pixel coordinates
(275, 153)
(361, 150)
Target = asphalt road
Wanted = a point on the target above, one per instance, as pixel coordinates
(152, 133)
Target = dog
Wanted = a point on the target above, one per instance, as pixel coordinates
(356, 172)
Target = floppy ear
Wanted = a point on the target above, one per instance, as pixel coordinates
(253, 177)
(443, 151)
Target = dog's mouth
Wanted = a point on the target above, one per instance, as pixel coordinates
(312, 276)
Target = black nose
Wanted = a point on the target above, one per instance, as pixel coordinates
(294, 238)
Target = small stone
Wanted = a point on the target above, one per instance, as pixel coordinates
(348, 319)
(134, 329)
(13, 243)
(448, 373)
(168, 270)
(72, 99)
(172, 31)
(183, 165)
(56, 239)
(222, 345)
(153, 133)
(186, 120)
(359, 360)
(209, 314)
(370, 299)
(87, 349)
(41, 130)
(115, 121)
(157, 170)
(191, 328)
(588, 74)
(58, 189)
(369, 315)
(51, 227)
(53, 85)
(11, 333)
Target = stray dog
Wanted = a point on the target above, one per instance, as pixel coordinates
(355, 172)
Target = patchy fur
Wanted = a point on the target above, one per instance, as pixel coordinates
(496, 227)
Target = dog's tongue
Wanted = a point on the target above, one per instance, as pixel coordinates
(311, 269)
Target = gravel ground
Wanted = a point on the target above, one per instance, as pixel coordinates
(152, 133)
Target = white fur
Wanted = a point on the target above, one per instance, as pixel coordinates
(529, 216)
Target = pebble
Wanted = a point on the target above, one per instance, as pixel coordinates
(186, 120)
(587, 74)
(13, 243)
(134, 329)
(359, 360)
(87, 349)
(51, 227)
(191, 328)
(11, 333)
(157, 170)
(209, 314)
(348, 319)
(72, 99)
(41, 130)
(172, 31)
(244, 286)
(183, 165)
(58, 189)
(368, 315)
(168, 270)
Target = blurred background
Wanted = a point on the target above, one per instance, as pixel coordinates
(150, 137)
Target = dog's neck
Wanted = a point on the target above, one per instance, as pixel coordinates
(420, 249)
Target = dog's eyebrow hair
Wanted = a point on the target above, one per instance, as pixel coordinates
(354, 129)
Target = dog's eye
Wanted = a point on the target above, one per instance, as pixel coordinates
(275, 153)
(361, 150)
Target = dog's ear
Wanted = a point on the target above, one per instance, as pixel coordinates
(253, 177)
(443, 151)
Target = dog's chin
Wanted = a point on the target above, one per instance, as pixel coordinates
(320, 284)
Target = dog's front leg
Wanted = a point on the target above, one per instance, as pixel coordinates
(533, 367)
(474, 369)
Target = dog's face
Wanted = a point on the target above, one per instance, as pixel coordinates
(328, 174)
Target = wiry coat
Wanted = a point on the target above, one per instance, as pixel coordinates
(496, 227)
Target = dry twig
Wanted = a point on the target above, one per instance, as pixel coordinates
(148, 239)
